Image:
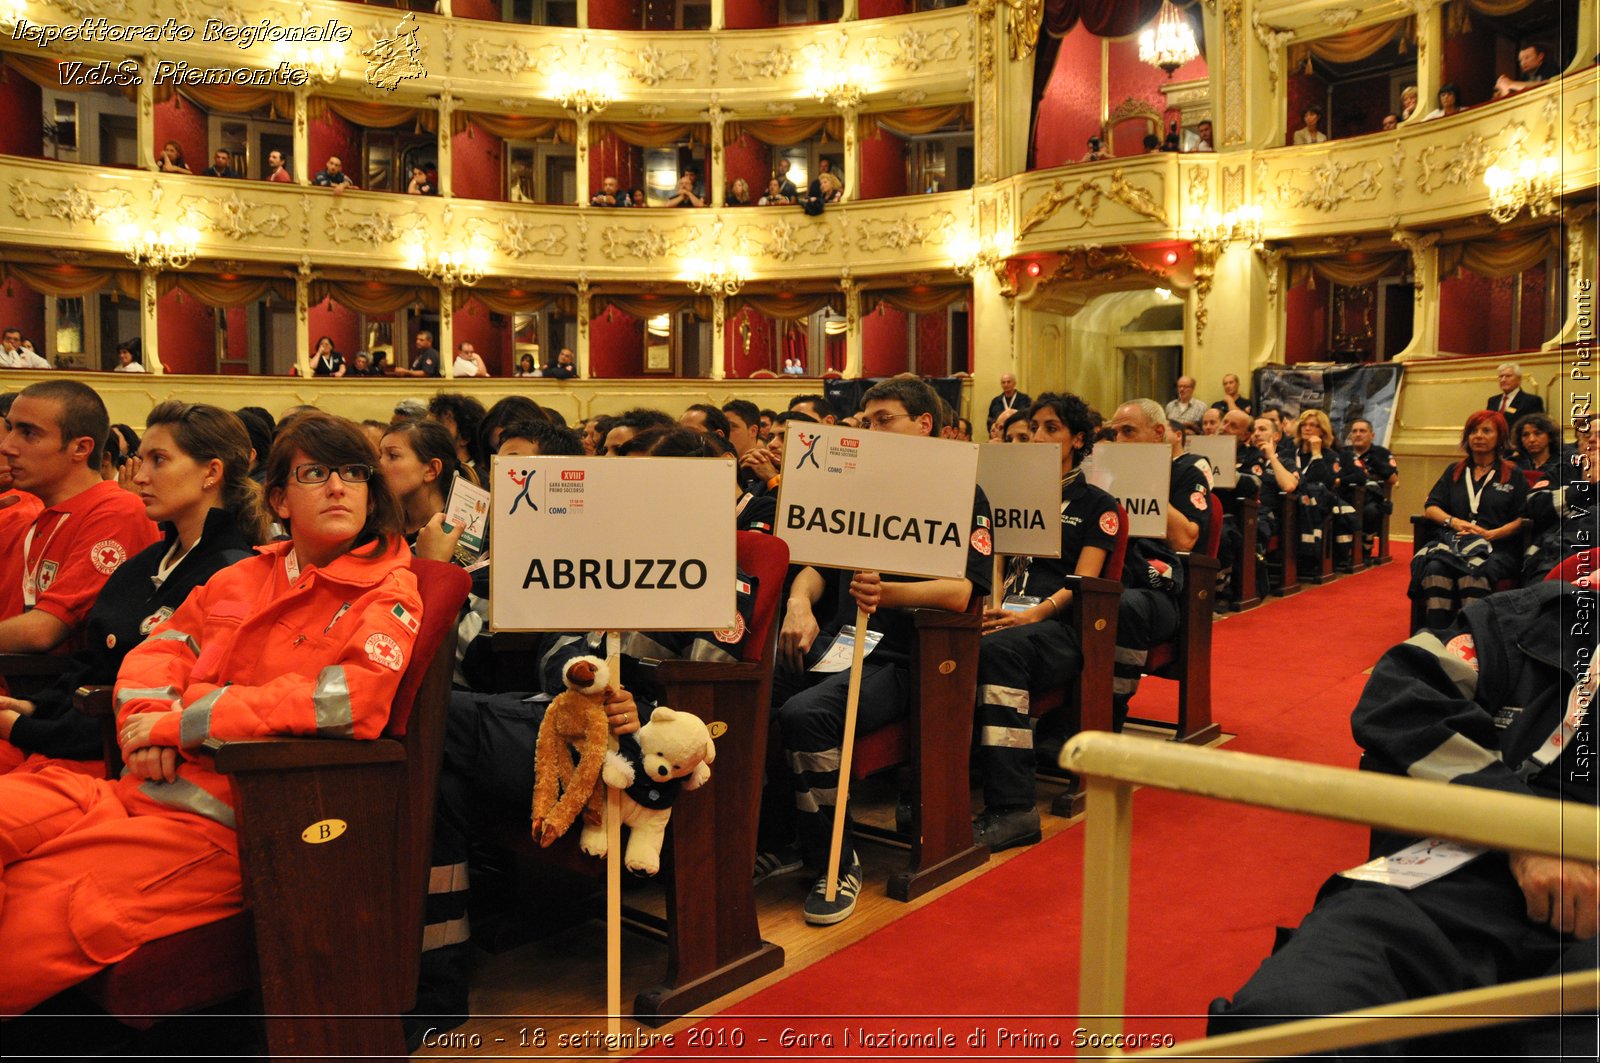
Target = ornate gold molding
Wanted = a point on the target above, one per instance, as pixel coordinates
(904, 232)
(1086, 200)
(32, 201)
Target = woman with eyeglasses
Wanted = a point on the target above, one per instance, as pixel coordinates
(308, 638)
(193, 475)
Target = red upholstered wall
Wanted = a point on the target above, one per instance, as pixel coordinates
(339, 323)
(1475, 313)
(1069, 110)
(747, 157)
(179, 119)
(1359, 106)
(612, 157)
(613, 14)
(237, 332)
(751, 14)
(883, 166)
(488, 10)
(476, 161)
(1470, 62)
(491, 341)
(22, 133)
(1535, 284)
(616, 345)
(933, 344)
(882, 8)
(1131, 77)
(762, 340)
(1306, 338)
(186, 330)
(883, 342)
(332, 135)
(23, 308)
(1304, 90)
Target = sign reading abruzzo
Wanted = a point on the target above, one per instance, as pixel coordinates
(878, 501)
(592, 544)
(1023, 485)
(1139, 475)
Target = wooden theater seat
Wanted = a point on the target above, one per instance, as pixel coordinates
(27, 672)
(1359, 559)
(713, 939)
(331, 932)
(1246, 593)
(1383, 556)
(1280, 550)
(1187, 659)
(936, 740)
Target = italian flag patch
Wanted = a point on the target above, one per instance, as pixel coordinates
(405, 618)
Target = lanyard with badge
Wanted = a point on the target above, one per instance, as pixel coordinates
(30, 573)
(1475, 488)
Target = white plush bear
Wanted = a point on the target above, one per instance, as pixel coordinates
(670, 753)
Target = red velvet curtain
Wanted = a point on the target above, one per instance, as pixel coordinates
(1103, 18)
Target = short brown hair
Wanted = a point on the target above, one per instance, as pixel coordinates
(917, 397)
(335, 441)
(82, 412)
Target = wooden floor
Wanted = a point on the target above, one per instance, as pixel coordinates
(555, 986)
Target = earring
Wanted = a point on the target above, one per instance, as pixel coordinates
(209, 483)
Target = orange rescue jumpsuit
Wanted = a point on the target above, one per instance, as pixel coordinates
(91, 869)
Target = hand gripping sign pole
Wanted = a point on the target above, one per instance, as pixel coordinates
(862, 501)
(570, 554)
(1023, 485)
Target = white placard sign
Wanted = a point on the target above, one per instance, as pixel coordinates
(594, 544)
(1139, 475)
(1222, 451)
(1023, 484)
(877, 501)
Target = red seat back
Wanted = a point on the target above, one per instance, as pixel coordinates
(766, 559)
(1534, 477)
(1211, 542)
(443, 589)
(1579, 569)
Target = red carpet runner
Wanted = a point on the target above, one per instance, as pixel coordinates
(991, 968)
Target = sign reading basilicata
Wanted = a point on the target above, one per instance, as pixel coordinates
(878, 501)
(597, 544)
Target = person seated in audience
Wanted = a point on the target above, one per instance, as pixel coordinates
(1321, 470)
(774, 196)
(417, 460)
(1537, 442)
(593, 433)
(811, 705)
(1029, 645)
(1185, 407)
(1211, 422)
(128, 357)
(1563, 509)
(706, 418)
(762, 467)
(193, 477)
(1309, 131)
(233, 662)
(362, 366)
(1449, 102)
(1511, 401)
(491, 429)
(327, 361)
(1479, 704)
(1378, 466)
(18, 510)
(55, 432)
(739, 193)
(537, 437)
(468, 362)
(817, 406)
(171, 159)
(1231, 399)
(374, 431)
(829, 187)
(461, 415)
(1151, 143)
(1390, 123)
(1479, 502)
(630, 424)
(565, 367)
(997, 428)
(1147, 612)
(638, 199)
(1016, 430)
(221, 165)
(17, 353)
(332, 176)
(526, 366)
(685, 196)
(425, 362)
(1097, 151)
(278, 168)
(1408, 102)
(785, 186)
(744, 425)
(610, 194)
(1533, 68)
(421, 184)
(767, 419)
(1256, 479)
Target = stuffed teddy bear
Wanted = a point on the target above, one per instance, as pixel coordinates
(670, 753)
(575, 720)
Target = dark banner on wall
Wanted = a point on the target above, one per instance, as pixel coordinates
(1345, 392)
(845, 395)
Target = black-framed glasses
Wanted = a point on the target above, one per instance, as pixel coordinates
(882, 421)
(313, 472)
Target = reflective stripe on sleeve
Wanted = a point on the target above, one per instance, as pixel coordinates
(1454, 757)
(127, 694)
(331, 699)
(178, 636)
(194, 727)
(190, 797)
(1462, 674)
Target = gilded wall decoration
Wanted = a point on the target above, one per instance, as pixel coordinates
(880, 235)
(913, 49)
(1581, 127)
(652, 66)
(652, 110)
(1233, 196)
(1273, 40)
(76, 205)
(1332, 183)
(780, 62)
(1094, 263)
(1397, 164)
(911, 96)
(783, 240)
(82, 9)
(1199, 186)
(1022, 29)
(1338, 17)
(236, 218)
(516, 238)
(507, 60)
(647, 245)
(1086, 200)
(306, 211)
(1441, 165)
(373, 227)
(1233, 72)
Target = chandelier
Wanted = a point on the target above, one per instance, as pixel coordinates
(1170, 44)
(968, 254)
(725, 278)
(1243, 224)
(319, 60)
(449, 268)
(1532, 183)
(586, 95)
(168, 249)
(842, 89)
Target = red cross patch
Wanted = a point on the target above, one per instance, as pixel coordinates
(382, 649)
(1110, 522)
(106, 555)
(1463, 647)
(731, 635)
(981, 541)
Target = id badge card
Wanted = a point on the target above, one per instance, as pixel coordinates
(1416, 865)
(1016, 603)
(837, 656)
(468, 508)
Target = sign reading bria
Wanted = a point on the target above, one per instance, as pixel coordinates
(1023, 485)
(1139, 475)
(877, 501)
(592, 544)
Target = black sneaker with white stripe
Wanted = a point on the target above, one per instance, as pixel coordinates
(820, 911)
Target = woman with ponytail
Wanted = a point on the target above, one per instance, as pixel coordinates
(193, 475)
(418, 461)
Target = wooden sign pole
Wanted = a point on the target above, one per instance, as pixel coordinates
(613, 824)
(997, 583)
(852, 703)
